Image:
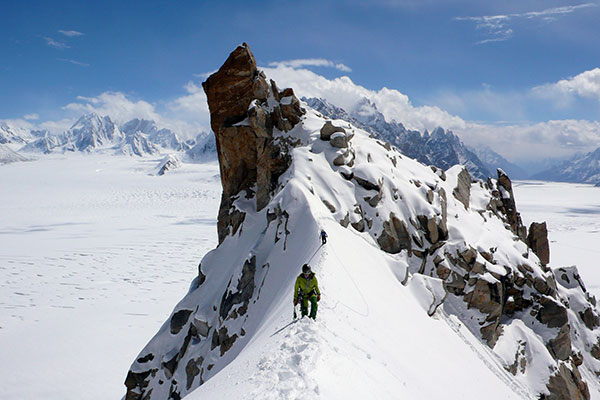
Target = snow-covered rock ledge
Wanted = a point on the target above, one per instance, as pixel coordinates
(432, 287)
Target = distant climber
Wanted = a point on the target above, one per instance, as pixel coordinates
(323, 236)
(305, 290)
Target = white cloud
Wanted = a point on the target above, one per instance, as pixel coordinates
(31, 117)
(192, 107)
(116, 105)
(55, 43)
(586, 84)
(498, 26)
(344, 93)
(75, 62)
(187, 115)
(70, 33)
(534, 142)
(311, 62)
(204, 75)
(58, 126)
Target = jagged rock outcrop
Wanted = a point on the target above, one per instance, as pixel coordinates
(537, 239)
(245, 109)
(168, 163)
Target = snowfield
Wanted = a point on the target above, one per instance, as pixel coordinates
(96, 250)
(572, 212)
(94, 253)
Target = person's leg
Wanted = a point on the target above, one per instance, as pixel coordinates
(304, 306)
(313, 307)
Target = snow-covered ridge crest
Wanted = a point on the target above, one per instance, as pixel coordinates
(426, 273)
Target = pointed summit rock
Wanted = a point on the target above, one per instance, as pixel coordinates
(244, 111)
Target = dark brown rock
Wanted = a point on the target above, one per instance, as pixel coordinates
(191, 371)
(462, 191)
(394, 237)
(567, 384)
(178, 320)
(560, 346)
(589, 318)
(552, 313)
(487, 297)
(339, 140)
(537, 239)
(329, 129)
(508, 207)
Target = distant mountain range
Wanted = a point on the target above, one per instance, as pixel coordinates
(493, 160)
(142, 137)
(581, 168)
(93, 133)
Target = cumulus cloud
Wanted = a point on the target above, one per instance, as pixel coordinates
(586, 84)
(55, 43)
(311, 62)
(58, 126)
(115, 104)
(499, 27)
(70, 33)
(534, 142)
(192, 107)
(187, 115)
(31, 117)
(343, 92)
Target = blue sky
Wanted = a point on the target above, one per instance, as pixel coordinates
(487, 63)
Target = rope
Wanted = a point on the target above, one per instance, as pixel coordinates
(355, 286)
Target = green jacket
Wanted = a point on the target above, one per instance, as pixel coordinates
(306, 285)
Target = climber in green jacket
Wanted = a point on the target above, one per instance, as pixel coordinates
(305, 290)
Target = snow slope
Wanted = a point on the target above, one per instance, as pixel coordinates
(374, 336)
(8, 155)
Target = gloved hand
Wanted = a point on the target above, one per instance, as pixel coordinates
(318, 297)
(295, 302)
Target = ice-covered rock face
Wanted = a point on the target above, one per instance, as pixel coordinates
(168, 163)
(456, 245)
(15, 135)
(92, 131)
